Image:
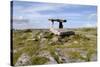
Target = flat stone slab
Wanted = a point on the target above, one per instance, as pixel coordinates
(62, 32)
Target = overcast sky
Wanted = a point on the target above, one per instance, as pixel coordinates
(36, 15)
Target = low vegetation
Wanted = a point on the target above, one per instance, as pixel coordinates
(38, 60)
(81, 47)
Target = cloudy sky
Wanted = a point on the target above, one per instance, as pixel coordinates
(36, 15)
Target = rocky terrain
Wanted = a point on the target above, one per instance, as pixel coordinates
(40, 46)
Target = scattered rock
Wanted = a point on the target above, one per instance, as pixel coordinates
(94, 57)
(76, 42)
(34, 39)
(83, 53)
(62, 57)
(43, 42)
(23, 60)
(44, 39)
(40, 35)
(47, 55)
(55, 39)
(14, 51)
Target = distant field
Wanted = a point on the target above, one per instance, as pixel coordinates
(40, 46)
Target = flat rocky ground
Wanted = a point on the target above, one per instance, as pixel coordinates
(40, 46)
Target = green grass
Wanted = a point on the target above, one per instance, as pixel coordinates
(32, 47)
(38, 60)
(74, 55)
(54, 55)
(16, 56)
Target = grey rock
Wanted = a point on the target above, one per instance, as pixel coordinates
(55, 39)
(47, 55)
(94, 57)
(23, 60)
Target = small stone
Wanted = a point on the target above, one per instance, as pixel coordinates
(94, 57)
(76, 42)
(55, 39)
(23, 60)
